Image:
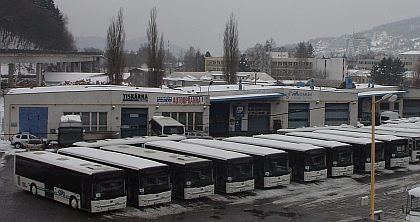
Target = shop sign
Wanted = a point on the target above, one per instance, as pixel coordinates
(296, 94)
(180, 100)
(164, 99)
(135, 97)
(238, 111)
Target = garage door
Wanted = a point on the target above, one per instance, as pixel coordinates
(33, 120)
(298, 115)
(336, 114)
(411, 108)
(258, 117)
(133, 122)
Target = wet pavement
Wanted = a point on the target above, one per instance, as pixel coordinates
(334, 199)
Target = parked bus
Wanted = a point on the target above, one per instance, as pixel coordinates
(361, 149)
(271, 166)
(308, 162)
(412, 209)
(147, 182)
(135, 141)
(191, 177)
(395, 148)
(78, 183)
(339, 155)
(413, 140)
(164, 125)
(233, 172)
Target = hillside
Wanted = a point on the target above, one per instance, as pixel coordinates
(391, 39)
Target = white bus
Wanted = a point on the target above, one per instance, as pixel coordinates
(78, 183)
(412, 209)
(147, 182)
(233, 172)
(271, 166)
(413, 139)
(361, 149)
(191, 177)
(164, 125)
(135, 141)
(395, 148)
(308, 162)
(339, 155)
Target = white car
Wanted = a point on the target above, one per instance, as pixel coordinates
(27, 141)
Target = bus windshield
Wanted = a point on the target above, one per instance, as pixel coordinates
(200, 176)
(168, 130)
(108, 188)
(241, 171)
(155, 183)
(276, 166)
(343, 155)
(315, 158)
(401, 149)
(379, 152)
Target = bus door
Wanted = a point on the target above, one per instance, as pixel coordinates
(86, 194)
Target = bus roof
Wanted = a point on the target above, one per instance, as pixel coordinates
(116, 159)
(127, 141)
(295, 139)
(272, 143)
(329, 137)
(382, 132)
(235, 147)
(154, 154)
(361, 134)
(82, 166)
(193, 149)
(166, 121)
(397, 128)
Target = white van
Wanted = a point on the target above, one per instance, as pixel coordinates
(388, 115)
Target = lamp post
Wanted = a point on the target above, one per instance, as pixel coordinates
(390, 98)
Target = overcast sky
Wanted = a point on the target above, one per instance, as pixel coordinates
(201, 23)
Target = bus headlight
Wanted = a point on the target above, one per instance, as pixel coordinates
(306, 167)
(98, 195)
(367, 159)
(188, 183)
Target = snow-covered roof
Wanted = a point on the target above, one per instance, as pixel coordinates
(87, 88)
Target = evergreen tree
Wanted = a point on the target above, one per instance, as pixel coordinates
(388, 72)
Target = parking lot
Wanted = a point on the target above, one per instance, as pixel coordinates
(333, 199)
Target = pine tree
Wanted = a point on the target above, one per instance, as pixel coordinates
(388, 72)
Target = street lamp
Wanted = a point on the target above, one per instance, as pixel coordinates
(390, 98)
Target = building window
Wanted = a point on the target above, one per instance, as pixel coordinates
(92, 121)
(192, 121)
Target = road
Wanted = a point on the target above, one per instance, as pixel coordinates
(334, 199)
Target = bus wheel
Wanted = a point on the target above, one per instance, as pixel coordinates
(73, 202)
(34, 190)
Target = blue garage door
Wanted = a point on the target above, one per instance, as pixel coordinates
(298, 115)
(259, 117)
(411, 108)
(34, 120)
(336, 114)
(133, 122)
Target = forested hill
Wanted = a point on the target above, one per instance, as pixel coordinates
(33, 24)
(391, 39)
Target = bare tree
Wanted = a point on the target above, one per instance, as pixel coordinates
(115, 49)
(156, 53)
(230, 50)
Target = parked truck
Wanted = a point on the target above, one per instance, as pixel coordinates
(70, 130)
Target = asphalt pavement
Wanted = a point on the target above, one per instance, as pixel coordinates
(334, 199)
